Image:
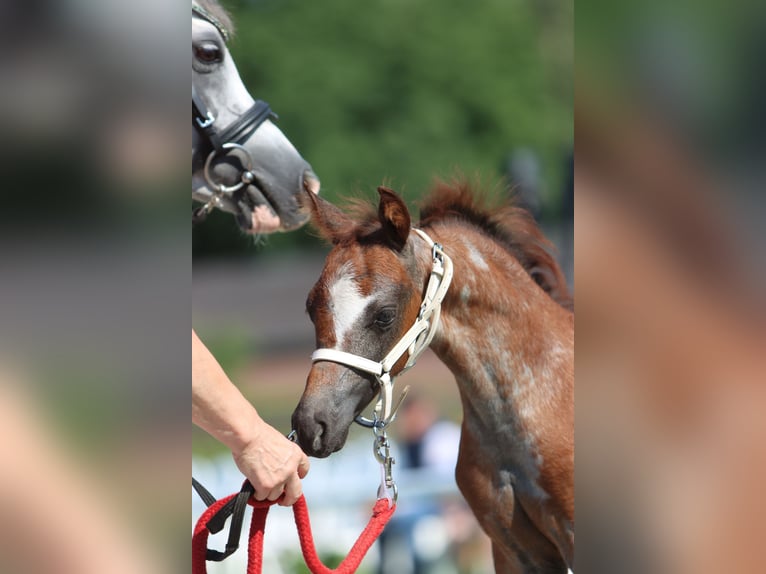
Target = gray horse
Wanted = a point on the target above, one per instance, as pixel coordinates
(241, 162)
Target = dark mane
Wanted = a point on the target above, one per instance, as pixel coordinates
(511, 225)
(218, 12)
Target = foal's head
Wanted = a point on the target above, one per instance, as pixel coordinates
(368, 295)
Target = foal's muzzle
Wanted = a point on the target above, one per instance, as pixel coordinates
(334, 395)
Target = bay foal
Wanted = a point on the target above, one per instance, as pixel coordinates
(506, 333)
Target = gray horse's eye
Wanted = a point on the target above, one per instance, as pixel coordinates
(208, 52)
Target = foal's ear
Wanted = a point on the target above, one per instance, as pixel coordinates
(394, 216)
(330, 221)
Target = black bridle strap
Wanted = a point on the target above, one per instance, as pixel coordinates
(247, 123)
(237, 131)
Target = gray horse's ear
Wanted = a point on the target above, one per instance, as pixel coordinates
(330, 221)
(394, 217)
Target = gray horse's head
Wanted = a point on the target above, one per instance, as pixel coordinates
(269, 199)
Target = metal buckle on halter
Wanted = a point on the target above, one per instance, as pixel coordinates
(367, 423)
(209, 121)
(437, 252)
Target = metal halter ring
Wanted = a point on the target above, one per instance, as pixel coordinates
(246, 178)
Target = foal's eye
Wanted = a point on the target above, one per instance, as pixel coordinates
(208, 52)
(385, 317)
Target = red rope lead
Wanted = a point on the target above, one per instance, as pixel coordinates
(381, 514)
(199, 539)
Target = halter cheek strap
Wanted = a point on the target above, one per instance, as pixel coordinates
(416, 340)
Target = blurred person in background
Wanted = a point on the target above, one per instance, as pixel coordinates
(523, 172)
(421, 537)
(425, 440)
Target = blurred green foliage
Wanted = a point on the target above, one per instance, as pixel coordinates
(402, 91)
(231, 347)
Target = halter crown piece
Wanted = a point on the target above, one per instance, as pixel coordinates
(414, 341)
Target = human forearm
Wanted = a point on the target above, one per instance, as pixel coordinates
(273, 464)
(218, 406)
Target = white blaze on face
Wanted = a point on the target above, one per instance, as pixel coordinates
(347, 304)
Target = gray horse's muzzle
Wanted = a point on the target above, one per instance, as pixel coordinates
(263, 200)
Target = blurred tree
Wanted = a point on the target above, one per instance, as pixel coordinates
(403, 91)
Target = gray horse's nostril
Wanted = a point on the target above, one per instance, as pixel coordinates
(311, 182)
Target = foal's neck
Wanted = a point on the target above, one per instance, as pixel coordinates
(506, 341)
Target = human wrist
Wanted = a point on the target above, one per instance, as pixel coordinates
(245, 434)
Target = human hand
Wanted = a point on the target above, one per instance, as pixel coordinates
(273, 465)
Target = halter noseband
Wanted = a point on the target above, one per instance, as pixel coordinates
(414, 341)
(228, 139)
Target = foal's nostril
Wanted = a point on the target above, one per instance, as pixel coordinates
(316, 444)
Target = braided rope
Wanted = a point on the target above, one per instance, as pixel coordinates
(381, 514)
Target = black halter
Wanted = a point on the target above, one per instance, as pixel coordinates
(229, 138)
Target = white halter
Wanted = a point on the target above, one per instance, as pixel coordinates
(414, 341)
